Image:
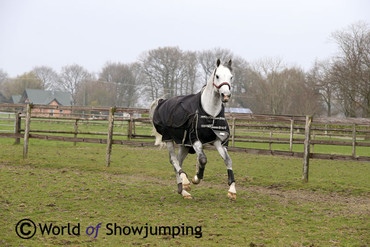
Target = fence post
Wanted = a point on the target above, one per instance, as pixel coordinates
(27, 130)
(17, 127)
(133, 128)
(76, 131)
(306, 155)
(313, 144)
(270, 144)
(354, 140)
(233, 133)
(129, 128)
(110, 134)
(291, 135)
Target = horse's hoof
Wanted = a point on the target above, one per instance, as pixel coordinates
(185, 181)
(186, 195)
(195, 180)
(231, 196)
(186, 187)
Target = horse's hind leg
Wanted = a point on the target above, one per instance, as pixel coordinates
(180, 174)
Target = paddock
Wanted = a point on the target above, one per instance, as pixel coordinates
(60, 184)
(63, 182)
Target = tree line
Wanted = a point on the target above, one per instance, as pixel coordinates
(339, 85)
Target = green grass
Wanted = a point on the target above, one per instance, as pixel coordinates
(62, 184)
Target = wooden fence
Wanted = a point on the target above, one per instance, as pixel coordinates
(295, 136)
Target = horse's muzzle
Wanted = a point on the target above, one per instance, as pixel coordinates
(225, 97)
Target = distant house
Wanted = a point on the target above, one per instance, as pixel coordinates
(16, 98)
(3, 99)
(238, 110)
(41, 97)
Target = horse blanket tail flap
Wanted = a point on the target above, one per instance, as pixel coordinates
(183, 120)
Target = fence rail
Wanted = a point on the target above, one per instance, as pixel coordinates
(296, 136)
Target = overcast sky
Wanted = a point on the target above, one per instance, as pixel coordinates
(91, 32)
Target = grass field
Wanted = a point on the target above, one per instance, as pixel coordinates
(60, 184)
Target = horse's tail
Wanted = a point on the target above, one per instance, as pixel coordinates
(158, 137)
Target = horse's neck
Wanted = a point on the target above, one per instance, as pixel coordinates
(210, 100)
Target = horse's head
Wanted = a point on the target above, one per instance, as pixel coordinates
(222, 78)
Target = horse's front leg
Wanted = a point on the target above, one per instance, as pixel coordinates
(201, 162)
(183, 152)
(181, 176)
(231, 194)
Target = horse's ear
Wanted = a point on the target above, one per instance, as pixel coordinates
(218, 62)
(229, 63)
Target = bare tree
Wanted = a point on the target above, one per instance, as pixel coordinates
(47, 76)
(17, 85)
(351, 69)
(71, 77)
(207, 60)
(190, 75)
(269, 66)
(123, 79)
(96, 93)
(164, 72)
(244, 78)
(300, 97)
(3, 76)
(279, 89)
(319, 77)
(270, 91)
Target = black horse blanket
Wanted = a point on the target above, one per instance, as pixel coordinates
(183, 120)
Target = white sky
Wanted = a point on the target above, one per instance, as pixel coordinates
(91, 32)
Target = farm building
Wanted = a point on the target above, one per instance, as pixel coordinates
(16, 98)
(41, 97)
(3, 99)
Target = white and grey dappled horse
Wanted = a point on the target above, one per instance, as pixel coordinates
(213, 95)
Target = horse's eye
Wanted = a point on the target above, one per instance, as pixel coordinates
(217, 77)
(231, 78)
